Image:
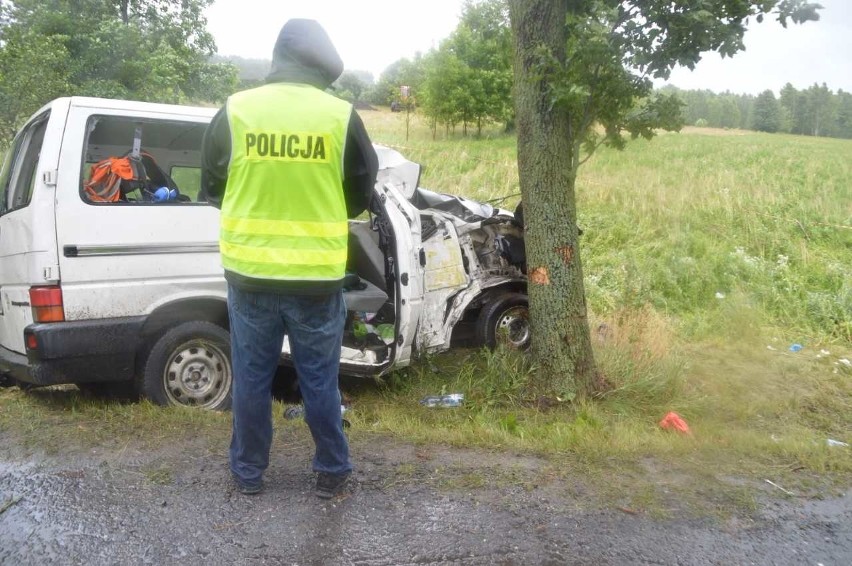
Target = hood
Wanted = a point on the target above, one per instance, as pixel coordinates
(304, 54)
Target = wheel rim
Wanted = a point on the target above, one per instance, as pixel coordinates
(513, 328)
(197, 374)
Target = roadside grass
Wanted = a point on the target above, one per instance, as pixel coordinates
(742, 404)
(706, 254)
(754, 414)
(58, 419)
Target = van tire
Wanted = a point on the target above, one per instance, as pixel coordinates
(190, 365)
(504, 320)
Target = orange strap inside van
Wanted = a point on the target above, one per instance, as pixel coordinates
(105, 178)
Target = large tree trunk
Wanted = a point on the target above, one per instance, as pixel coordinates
(561, 343)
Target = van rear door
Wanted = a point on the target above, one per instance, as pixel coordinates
(28, 255)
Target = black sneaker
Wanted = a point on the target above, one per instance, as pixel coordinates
(329, 485)
(248, 488)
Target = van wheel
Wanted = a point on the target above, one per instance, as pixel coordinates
(190, 365)
(505, 320)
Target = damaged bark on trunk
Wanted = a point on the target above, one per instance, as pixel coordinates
(561, 342)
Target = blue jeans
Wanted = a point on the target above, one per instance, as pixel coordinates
(314, 325)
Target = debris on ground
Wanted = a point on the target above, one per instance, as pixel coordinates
(775, 485)
(450, 400)
(293, 413)
(298, 412)
(796, 347)
(673, 421)
(8, 503)
(832, 442)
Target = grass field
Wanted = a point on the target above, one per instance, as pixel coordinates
(706, 254)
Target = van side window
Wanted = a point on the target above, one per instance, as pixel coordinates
(18, 179)
(141, 161)
(26, 177)
(189, 179)
(6, 174)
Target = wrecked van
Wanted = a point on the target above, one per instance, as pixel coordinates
(129, 294)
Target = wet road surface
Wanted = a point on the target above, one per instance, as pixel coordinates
(94, 511)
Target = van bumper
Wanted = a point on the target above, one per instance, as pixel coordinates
(82, 351)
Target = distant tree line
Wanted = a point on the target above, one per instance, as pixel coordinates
(250, 72)
(815, 111)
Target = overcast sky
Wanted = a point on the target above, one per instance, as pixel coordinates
(372, 34)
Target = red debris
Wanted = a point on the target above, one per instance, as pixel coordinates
(673, 421)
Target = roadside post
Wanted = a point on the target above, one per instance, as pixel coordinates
(405, 93)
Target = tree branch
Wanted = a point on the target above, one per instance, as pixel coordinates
(594, 149)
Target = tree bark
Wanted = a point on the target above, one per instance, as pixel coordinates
(561, 342)
(124, 11)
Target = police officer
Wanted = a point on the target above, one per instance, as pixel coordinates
(288, 164)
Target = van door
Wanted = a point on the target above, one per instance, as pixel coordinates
(405, 222)
(28, 253)
(128, 258)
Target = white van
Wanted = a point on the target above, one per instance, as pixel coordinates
(131, 293)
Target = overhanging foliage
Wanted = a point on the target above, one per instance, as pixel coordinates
(153, 50)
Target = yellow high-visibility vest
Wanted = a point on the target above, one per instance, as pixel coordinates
(284, 213)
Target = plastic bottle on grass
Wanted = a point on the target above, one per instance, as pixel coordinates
(451, 400)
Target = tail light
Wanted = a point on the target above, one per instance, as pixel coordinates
(47, 304)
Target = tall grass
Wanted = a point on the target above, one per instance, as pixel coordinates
(675, 221)
(688, 216)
